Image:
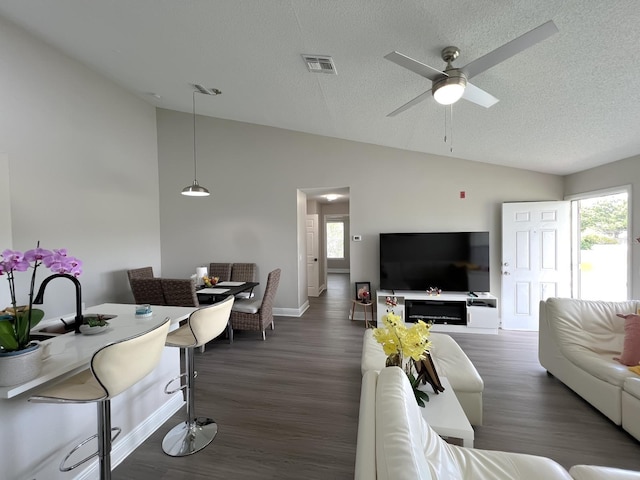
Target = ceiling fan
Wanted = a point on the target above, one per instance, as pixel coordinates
(450, 85)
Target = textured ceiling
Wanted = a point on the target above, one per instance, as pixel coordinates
(566, 104)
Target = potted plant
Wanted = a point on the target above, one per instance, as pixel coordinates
(20, 358)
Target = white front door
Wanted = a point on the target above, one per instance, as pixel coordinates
(313, 269)
(536, 259)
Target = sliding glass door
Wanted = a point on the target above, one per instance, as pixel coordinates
(601, 245)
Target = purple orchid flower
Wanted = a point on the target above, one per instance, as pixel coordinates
(14, 260)
(36, 254)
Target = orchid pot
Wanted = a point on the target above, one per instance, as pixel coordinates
(16, 321)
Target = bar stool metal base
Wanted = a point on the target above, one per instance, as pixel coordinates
(187, 438)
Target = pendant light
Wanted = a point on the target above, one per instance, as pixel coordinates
(196, 190)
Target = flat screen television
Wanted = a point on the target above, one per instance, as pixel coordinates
(450, 261)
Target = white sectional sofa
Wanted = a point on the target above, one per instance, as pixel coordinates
(396, 443)
(450, 361)
(578, 341)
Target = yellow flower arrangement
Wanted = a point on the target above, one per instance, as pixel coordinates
(399, 341)
(396, 338)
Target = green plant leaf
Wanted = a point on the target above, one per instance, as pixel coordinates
(8, 339)
(36, 316)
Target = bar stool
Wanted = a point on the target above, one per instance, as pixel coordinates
(113, 369)
(203, 325)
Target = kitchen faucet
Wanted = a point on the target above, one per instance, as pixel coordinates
(40, 296)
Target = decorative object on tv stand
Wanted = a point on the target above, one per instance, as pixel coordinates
(20, 357)
(399, 342)
(196, 190)
(363, 291)
(434, 291)
(391, 302)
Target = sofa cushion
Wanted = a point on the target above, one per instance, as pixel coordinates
(401, 432)
(451, 362)
(247, 306)
(408, 448)
(592, 472)
(589, 334)
(366, 445)
(631, 346)
(449, 359)
(632, 386)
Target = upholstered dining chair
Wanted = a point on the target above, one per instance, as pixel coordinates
(113, 369)
(147, 290)
(244, 272)
(203, 325)
(256, 314)
(180, 292)
(220, 270)
(143, 272)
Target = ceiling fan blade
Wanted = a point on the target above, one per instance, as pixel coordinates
(415, 66)
(510, 49)
(411, 103)
(479, 96)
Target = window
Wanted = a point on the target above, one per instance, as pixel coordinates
(335, 239)
(601, 223)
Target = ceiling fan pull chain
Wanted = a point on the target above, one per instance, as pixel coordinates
(451, 127)
(445, 125)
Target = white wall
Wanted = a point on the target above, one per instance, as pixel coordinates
(622, 172)
(254, 172)
(83, 174)
(82, 156)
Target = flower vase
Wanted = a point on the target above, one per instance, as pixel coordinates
(394, 360)
(20, 366)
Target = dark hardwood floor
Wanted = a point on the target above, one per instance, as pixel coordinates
(287, 408)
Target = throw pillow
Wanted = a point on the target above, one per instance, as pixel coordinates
(635, 369)
(631, 347)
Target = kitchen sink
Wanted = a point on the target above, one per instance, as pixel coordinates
(65, 326)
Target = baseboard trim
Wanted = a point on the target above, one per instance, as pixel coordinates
(292, 312)
(124, 446)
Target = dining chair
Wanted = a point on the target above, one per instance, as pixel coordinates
(220, 270)
(180, 292)
(143, 272)
(256, 314)
(113, 369)
(147, 290)
(244, 272)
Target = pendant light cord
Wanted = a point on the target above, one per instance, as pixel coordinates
(195, 167)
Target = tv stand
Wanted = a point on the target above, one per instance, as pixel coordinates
(449, 311)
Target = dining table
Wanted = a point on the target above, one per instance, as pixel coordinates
(221, 290)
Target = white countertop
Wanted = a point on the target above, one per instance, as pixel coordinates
(70, 353)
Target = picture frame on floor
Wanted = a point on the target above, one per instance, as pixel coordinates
(363, 292)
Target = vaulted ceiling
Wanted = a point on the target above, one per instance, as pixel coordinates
(566, 104)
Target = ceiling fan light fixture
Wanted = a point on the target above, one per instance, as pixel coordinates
(449, 89)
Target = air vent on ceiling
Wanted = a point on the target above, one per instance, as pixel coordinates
(320, 64)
